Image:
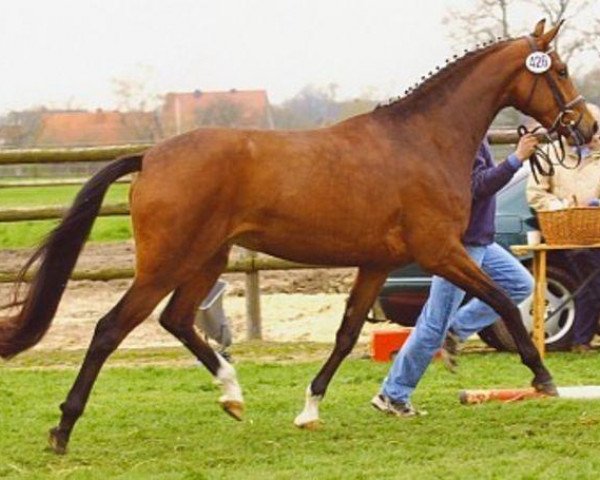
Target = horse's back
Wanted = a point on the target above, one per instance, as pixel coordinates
(264, 164)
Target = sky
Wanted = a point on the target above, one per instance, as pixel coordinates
(67, 53)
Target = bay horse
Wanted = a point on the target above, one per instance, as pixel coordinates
(376, 191)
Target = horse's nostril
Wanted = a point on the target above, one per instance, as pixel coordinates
(595, 127)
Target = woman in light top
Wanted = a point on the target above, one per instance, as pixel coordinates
(576, 186)
(567, 185)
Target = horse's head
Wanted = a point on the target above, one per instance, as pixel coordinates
(544, 90)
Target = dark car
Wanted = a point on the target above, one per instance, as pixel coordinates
(406, 289)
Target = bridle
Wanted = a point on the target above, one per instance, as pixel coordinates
(565, 109)
(564, 106)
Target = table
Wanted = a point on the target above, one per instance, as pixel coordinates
(539, 289)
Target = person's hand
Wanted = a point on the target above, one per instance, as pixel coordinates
(595, 142)
(526, 146)
(594, 202)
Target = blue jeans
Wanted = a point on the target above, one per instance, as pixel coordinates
(442, 311)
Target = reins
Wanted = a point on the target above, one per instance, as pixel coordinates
(540, 161)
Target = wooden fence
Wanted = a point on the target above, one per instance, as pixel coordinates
(252, 264)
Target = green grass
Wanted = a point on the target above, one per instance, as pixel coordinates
(58, 195)
(29, 234)
(160, 420)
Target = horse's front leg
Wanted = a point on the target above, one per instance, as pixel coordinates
(366, 287)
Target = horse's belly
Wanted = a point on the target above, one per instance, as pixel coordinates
(327, 249)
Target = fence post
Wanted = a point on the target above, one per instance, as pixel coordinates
(377, 312)
(253, 319)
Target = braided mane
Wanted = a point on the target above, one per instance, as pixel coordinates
(446, 75)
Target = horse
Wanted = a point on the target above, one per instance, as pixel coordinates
(376, 191)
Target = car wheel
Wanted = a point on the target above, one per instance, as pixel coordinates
(559, 329)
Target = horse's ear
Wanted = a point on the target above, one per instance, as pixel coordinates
(539, 28)
(547, 37)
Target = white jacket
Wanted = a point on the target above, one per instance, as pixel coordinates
(567, 187)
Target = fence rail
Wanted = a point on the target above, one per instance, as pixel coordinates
(248, 264)
(51, 213)
(67, 155)
(66, 182)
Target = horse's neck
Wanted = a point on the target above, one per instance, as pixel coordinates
(470, 109)
(461, 114)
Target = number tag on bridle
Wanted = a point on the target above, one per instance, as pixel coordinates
(538, 62)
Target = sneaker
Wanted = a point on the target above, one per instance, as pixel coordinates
(449, 351)
(400, 409)
(581, 348)
(452, 343)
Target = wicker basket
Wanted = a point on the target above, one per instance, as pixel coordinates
(570, 226)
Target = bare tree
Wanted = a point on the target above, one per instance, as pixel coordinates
(311, 107)
(596, 35)
(134, 93)
(21, 129)
(488, 19)
(557, 10)
(221, 113)
(589, 86)
(135, 99)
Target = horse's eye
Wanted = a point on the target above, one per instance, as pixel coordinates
(563, 72)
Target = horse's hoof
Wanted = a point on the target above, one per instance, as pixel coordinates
(547, 387)
(56, 443)
(233, 408)
(307, 421)
(310, 425)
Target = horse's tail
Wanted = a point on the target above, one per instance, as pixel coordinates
(58, 254)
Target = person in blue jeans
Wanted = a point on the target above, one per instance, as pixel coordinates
(442, 307)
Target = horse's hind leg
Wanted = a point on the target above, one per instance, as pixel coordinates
(178, 319)
(463, 272)
(366, 287)
(132, 309)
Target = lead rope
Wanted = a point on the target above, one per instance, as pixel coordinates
(539, 157)
(540, 161)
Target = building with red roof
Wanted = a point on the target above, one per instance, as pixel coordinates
(182, 112)
(82, 128)
(179, 113)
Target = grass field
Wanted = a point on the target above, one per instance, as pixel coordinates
(28, 234)
(153, 414)
(56, 195)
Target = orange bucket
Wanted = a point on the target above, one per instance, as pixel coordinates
(386, 343)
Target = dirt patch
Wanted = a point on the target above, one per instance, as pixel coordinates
(296, 305)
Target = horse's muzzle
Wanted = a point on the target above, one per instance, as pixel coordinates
(579, 135)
